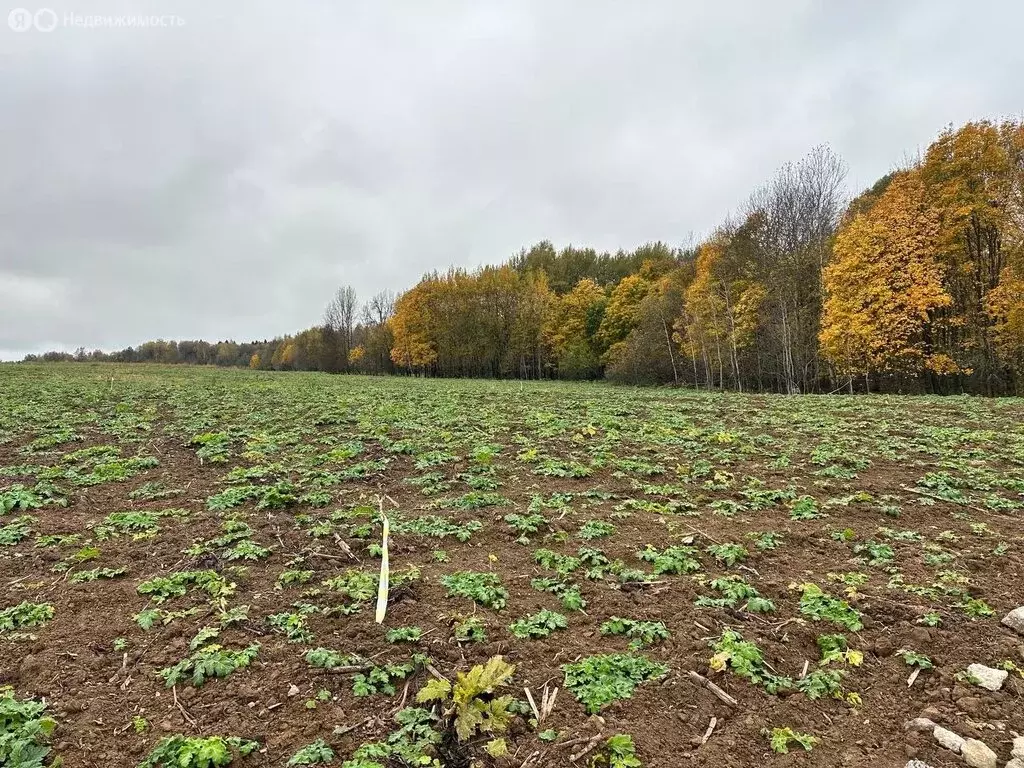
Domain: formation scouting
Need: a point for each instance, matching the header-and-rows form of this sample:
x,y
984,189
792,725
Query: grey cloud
x,y
219,179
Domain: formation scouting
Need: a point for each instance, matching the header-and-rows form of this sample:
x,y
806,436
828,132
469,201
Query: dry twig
x,y
705,683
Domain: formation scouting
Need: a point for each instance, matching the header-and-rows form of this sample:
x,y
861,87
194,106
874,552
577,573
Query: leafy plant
x,y
482,588
804,508
292,624
16,531
357,586
734,589
24,731
152,491
198,751
540,624
18,497
25,615
136,523
569,594
675,560
874,553
413,743
163,588
555,561
325,658
381,678
312,754
915,659
819,605
780,739
821,683
642,633
470,705
595,529
468,629
728,554
524,524
291,577
403,635
597,681
975,607
618,752
837,648
766,541
436,527
211,661
97,573
744,659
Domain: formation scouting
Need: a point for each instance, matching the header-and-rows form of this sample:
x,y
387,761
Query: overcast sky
x,y
220,177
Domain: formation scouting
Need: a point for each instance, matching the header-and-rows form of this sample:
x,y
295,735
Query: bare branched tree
x,y
795,215
379,308
339,327
340,314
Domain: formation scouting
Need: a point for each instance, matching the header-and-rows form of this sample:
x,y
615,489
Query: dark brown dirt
x,y
95,692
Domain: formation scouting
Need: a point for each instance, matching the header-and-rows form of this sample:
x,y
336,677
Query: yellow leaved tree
x,y
884,286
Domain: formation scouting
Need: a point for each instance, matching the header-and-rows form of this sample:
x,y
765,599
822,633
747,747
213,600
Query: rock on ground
x,y
988,678
948,739
920,724
919,764
1015,619
1018,747
1015,763
977,754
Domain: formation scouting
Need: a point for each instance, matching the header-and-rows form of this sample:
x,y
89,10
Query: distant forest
x,y
914,285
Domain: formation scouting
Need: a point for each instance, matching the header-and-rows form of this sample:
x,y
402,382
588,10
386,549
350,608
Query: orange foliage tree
x,y
884,286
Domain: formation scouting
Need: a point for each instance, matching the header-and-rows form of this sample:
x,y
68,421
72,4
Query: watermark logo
x,y
47,20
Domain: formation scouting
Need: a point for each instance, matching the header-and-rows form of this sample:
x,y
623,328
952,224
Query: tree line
x,y
915,285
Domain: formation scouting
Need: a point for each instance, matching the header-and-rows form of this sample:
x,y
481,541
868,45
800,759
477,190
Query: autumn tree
x,y
721,312
285,355
570,328
527,354
884,286
622,311
355,356
1005,307
410,327
649,354
973,179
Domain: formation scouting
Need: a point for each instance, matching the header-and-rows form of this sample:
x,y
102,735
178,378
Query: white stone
x,y
948,739
1018,747
1015,619
919,764
978,755
1015,763
988,678
919,724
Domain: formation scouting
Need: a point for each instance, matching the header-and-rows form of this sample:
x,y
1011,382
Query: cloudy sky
x,y
218,178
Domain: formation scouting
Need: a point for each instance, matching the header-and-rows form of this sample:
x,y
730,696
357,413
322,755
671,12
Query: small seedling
x,y
403,635
780,739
